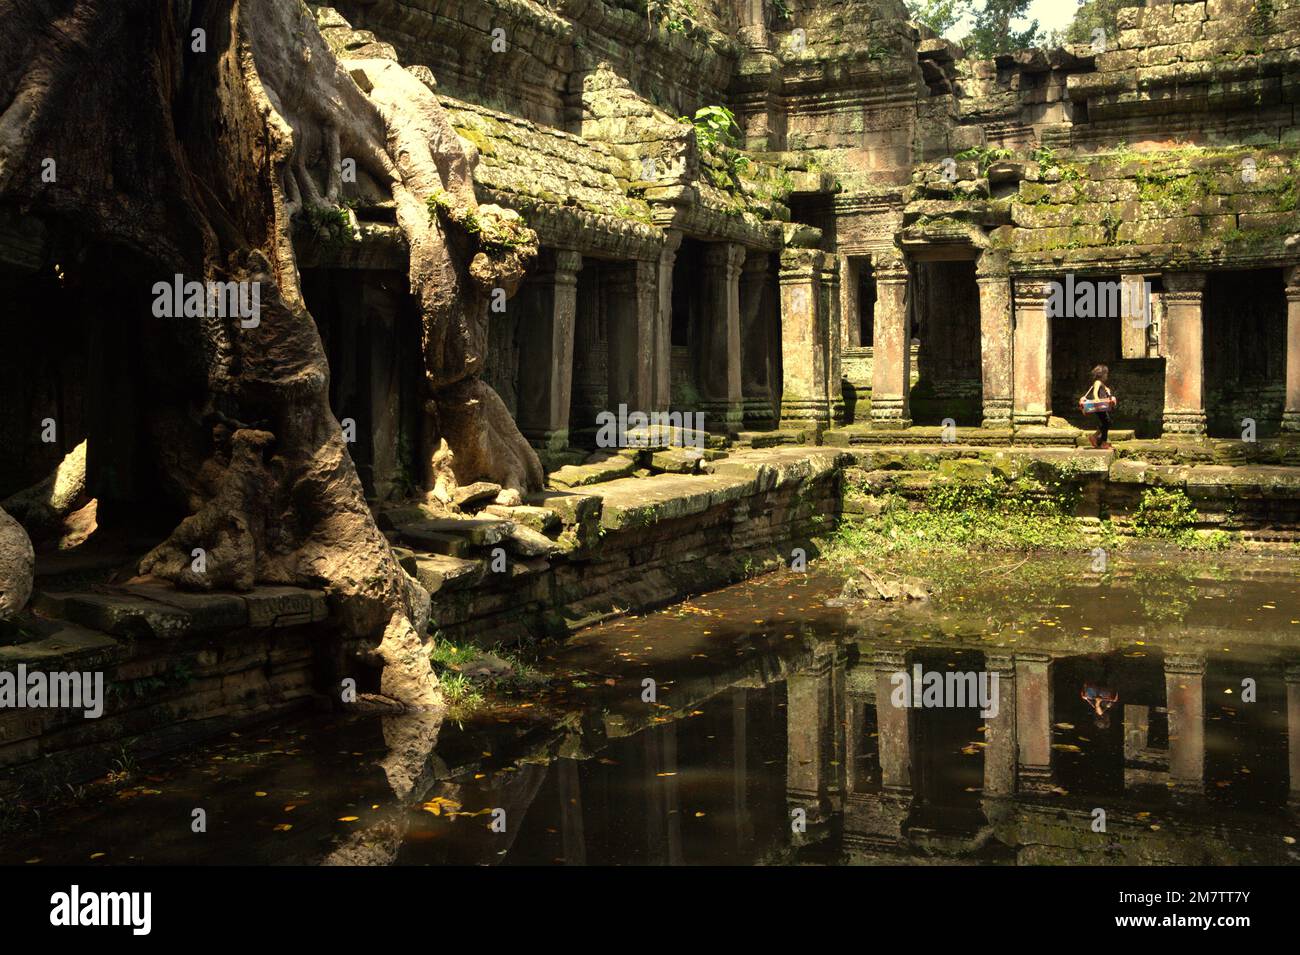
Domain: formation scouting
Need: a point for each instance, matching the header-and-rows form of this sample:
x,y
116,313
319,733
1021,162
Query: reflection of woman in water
x,y
1100,699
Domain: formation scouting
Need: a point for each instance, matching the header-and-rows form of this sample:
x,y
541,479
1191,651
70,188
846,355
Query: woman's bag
x,y
1093,405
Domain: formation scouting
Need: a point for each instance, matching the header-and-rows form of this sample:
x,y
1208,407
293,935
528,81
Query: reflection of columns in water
x,y
893,723
1293,730
1000,730
1185,697
575,842
1034,720
809,701
663,815
740,766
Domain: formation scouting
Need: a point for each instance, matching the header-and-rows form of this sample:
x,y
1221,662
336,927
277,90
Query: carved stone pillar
x,y
804,343
996,332
1291,411
632,303
718,343
1184,338
1031,355
663,381
892,350
757,294
831,295
546,341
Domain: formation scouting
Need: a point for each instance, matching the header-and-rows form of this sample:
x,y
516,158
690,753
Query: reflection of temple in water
x,y
878,783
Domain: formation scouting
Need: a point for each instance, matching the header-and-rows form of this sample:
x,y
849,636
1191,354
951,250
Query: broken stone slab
x,y
631,503
438,572
441,535
529,543
676,461
540,519
472,496
582,475
123,615
572,508
207,611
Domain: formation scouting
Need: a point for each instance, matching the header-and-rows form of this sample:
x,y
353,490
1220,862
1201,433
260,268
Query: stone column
x,y
756,340
1031,352
892,349
995,341
893,724
632,303
753,25
718,357
1291,411
546,341
1184,354
850,307
1034,720
1185,698
834,345
1293,731
663,358
1000,730
804,342
1135,316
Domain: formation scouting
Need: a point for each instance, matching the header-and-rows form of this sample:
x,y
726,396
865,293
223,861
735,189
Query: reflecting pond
x,y
1150,714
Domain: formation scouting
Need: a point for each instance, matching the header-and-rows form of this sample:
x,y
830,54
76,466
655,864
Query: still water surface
x,y
773,738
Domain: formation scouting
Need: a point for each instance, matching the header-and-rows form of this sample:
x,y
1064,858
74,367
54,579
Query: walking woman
x,y
1099,400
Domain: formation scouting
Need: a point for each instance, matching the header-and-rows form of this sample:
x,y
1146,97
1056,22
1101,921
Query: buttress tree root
x,y
186,135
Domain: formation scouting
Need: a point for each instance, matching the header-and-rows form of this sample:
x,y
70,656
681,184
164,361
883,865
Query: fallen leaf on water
x,y
348,818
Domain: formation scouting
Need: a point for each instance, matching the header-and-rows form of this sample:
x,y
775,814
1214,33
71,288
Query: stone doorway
x,y
1245,352
946,321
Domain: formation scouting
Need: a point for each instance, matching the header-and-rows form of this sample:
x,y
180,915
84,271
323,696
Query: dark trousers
x,y
1103,426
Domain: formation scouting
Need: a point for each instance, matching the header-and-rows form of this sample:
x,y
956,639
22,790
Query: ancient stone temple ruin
x,y
878,250
481,229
